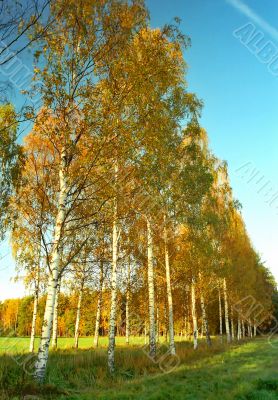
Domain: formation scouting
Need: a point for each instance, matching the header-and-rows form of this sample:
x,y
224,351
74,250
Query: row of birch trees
x,y
119,194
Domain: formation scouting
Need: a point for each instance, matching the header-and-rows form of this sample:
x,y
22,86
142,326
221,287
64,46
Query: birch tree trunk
x,y
78,312
227,325
220,314
194,315
99,307
243,329
250,329
127,326
238,329
55,318
40,366
113,307
255,329
169,293
232,325
35,308
152,334
205,320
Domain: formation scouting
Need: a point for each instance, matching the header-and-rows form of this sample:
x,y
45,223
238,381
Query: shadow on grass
x,y
203,374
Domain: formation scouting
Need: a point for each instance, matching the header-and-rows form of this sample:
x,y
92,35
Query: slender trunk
x,y
55,318
227,325
127,325
243,329
112,321
250,329
255,329
40,366
220,314
152,334
238,329
169,293
232,325
41,363
145,332
194,315
113,307
78,312
99,306
205,320
35,307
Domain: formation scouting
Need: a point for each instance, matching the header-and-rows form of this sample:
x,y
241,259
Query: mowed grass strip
x,y
247,371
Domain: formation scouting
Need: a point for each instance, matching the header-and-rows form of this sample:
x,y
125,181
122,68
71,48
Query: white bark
x,y
255,329
55,317
194,315
238,329
205,320
250,332
226,307
40,366
78,312
152,334
99,307
113,306
232,325
127,326
172,347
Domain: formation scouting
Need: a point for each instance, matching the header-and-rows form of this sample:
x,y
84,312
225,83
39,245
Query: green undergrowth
x,y
246,371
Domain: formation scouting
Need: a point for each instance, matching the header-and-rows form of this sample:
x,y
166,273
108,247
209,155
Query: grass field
x,y
246,371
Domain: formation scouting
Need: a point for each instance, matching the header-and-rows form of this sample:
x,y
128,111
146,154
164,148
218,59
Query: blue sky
x,y
241,101
240,113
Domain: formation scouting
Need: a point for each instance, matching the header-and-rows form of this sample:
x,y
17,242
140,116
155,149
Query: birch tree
x,y
152,325
79,44
194,314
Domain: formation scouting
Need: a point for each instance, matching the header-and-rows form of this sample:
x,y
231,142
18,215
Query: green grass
x,y
243,372
14,345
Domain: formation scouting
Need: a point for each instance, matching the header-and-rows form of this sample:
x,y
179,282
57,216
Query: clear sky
x,y
232,69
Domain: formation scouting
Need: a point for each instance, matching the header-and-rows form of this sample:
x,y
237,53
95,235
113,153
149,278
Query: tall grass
x,y
73,371
245,371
